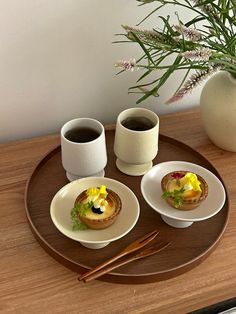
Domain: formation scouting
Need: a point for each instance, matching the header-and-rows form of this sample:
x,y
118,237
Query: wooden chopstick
x,y
134,246
151,250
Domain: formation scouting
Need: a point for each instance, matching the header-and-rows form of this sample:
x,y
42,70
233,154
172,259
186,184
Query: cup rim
x,y
101,132
156,123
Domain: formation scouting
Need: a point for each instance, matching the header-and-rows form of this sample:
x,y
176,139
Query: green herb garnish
x,y
176,195
79,208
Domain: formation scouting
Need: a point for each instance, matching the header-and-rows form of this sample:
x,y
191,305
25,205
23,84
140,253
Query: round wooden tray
x,y
188,246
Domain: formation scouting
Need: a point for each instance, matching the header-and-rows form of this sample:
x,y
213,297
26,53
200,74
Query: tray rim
x,y
116,277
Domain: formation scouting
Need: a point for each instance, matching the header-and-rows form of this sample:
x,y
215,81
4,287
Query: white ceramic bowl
x,y
152,193
63,202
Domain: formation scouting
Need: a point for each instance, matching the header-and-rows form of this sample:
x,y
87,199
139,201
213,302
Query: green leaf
x,y
79,208
176,195
147,94
215,20
195,20
169,71
167,25
151,13
143,47
144,75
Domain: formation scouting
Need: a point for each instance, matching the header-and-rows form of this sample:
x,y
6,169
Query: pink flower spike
x,y
127,64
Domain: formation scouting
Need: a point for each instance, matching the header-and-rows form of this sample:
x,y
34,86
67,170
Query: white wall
x,y
56,63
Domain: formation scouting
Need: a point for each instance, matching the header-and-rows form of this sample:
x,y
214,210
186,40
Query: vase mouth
x,y
231,78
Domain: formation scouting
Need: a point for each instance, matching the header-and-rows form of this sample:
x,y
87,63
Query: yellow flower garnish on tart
x,y
190,182
97,195
94,192
103,191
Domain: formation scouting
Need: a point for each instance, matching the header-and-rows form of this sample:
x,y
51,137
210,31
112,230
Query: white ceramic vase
x,y
218,110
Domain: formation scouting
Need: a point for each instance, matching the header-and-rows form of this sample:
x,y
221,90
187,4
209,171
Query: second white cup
x,y
136,140
83,148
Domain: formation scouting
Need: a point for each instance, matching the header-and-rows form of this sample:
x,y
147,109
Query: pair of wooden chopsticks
x,y
134,246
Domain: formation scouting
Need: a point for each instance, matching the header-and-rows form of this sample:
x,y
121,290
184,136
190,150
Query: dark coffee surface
x,y
81,135
138,123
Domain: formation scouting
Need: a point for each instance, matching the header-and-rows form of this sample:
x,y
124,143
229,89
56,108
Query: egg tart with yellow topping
x,y
97,207
184,190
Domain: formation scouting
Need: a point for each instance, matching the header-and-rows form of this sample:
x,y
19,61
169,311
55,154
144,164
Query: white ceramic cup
x,y
135,149
84,158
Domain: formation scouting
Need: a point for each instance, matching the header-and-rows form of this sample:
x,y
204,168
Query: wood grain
x,y
33,282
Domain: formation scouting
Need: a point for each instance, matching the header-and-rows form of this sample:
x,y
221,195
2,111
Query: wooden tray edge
x,y
123,278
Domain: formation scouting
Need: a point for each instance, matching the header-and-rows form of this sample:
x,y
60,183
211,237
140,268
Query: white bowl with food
x,y
64,201
210,205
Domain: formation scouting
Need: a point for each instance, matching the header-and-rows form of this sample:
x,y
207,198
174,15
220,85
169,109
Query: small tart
x,y
191,198
107,218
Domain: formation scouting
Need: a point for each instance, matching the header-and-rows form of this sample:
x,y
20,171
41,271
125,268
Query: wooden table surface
x,y
33,282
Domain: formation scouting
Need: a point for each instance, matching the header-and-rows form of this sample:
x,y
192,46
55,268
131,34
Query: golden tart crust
x,y
190,200
114,208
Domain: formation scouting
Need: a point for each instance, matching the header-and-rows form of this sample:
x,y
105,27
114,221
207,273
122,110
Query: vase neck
x,y
231,78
